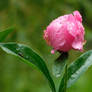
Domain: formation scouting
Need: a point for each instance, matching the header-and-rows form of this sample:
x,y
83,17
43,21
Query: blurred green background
x,y
30,18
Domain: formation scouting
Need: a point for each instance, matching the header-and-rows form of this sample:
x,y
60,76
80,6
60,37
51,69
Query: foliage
x,y
29,17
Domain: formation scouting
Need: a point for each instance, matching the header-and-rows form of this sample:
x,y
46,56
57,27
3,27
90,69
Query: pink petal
x,y
77,15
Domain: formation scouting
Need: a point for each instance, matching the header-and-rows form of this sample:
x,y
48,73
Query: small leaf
x,y
5,33
30,57
76,69
59,64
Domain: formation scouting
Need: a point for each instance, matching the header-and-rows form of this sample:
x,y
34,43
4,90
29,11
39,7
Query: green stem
x,y
65,81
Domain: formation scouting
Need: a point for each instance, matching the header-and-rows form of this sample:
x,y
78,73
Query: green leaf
x,y
30,57
59,64
5,33
76,69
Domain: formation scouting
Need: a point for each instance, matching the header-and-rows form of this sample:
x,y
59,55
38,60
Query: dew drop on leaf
x,y
20,54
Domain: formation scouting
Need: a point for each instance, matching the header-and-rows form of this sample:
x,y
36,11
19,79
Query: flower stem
x,y
65,81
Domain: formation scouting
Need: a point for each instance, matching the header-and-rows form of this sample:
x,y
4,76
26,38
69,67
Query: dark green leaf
x,y
30,57
59,64
76,69
5,33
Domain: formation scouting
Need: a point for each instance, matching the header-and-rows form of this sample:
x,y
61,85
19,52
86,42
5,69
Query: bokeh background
x,y
30,18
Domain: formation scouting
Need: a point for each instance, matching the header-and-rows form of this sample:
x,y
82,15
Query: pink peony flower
x,y
65,33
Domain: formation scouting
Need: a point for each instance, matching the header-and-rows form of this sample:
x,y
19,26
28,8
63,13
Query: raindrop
x,y
27,57
57,75
17,49
56,71
20,54
22,48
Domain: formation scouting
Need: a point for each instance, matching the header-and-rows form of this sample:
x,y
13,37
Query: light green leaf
x,y
76,69
59,64
5,33
30,57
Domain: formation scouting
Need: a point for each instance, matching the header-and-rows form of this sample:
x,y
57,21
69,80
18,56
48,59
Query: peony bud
x,y
65,33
